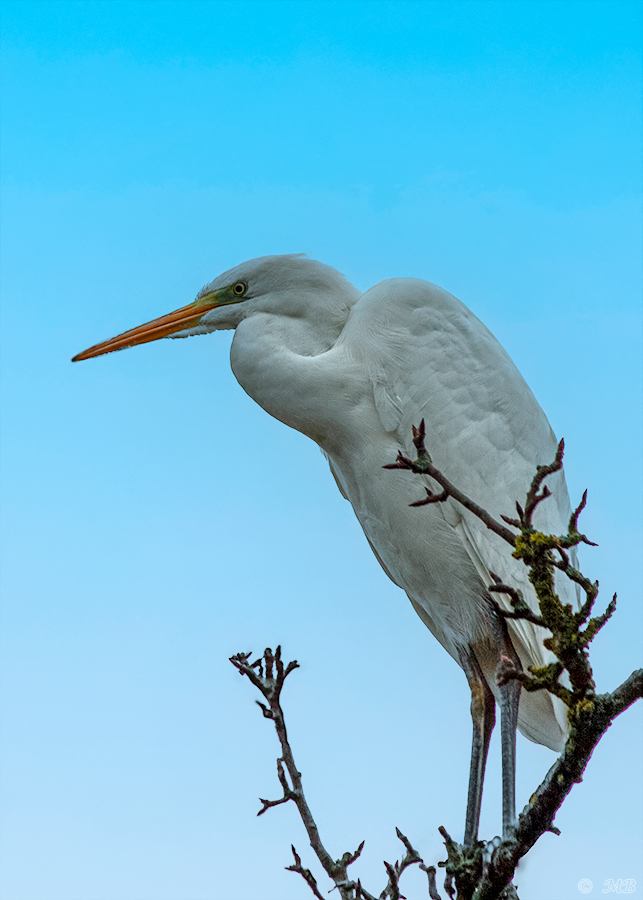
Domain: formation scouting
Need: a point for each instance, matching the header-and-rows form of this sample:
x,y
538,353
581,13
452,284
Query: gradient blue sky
x,y
157,521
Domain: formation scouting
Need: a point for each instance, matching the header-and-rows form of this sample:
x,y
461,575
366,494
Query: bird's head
x,y
281,285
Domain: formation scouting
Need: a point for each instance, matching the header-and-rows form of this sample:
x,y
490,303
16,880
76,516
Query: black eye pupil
x,y
239,288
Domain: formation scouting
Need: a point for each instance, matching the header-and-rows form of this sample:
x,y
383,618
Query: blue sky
x,y
492,148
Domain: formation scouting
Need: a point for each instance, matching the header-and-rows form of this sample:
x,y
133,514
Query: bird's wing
x,y
430,358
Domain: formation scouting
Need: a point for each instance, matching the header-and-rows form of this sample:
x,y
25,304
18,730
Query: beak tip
x,y
165,326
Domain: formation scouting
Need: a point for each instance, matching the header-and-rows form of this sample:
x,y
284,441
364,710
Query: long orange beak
x,y
186,317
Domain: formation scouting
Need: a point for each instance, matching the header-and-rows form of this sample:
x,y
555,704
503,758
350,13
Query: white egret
x,y
353,372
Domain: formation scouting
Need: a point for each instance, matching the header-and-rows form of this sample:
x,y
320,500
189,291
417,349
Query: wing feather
x,y
430,357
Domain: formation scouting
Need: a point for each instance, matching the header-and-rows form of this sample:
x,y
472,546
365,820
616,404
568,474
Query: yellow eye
x,y
239,288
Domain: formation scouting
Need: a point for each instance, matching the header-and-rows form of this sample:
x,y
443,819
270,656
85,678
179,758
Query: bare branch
x,y
434,894
533,497
520,609
268,675
361,893
595,625
394,872
306,874
573,522
542,554
627,693
432,498
424,466
288,793
484,871
270,686
587,726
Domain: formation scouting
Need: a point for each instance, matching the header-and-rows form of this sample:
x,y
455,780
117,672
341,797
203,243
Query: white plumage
x,y
354,372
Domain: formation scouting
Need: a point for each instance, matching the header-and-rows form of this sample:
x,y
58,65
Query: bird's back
x,y
423,354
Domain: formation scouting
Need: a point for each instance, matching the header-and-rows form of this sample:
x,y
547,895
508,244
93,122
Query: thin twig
x,y
306,874
395,871
270,685
268,675
434,894
423,466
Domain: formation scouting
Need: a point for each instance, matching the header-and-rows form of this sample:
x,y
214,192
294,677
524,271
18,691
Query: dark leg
x,y
509,699
483,713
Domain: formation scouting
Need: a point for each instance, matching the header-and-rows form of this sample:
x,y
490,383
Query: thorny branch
x,y
483,872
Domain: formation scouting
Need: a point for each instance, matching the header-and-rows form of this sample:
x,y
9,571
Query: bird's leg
x,y
509,700
483,714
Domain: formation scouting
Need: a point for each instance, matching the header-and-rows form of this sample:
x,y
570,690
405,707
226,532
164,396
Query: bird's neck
x,y
284,363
